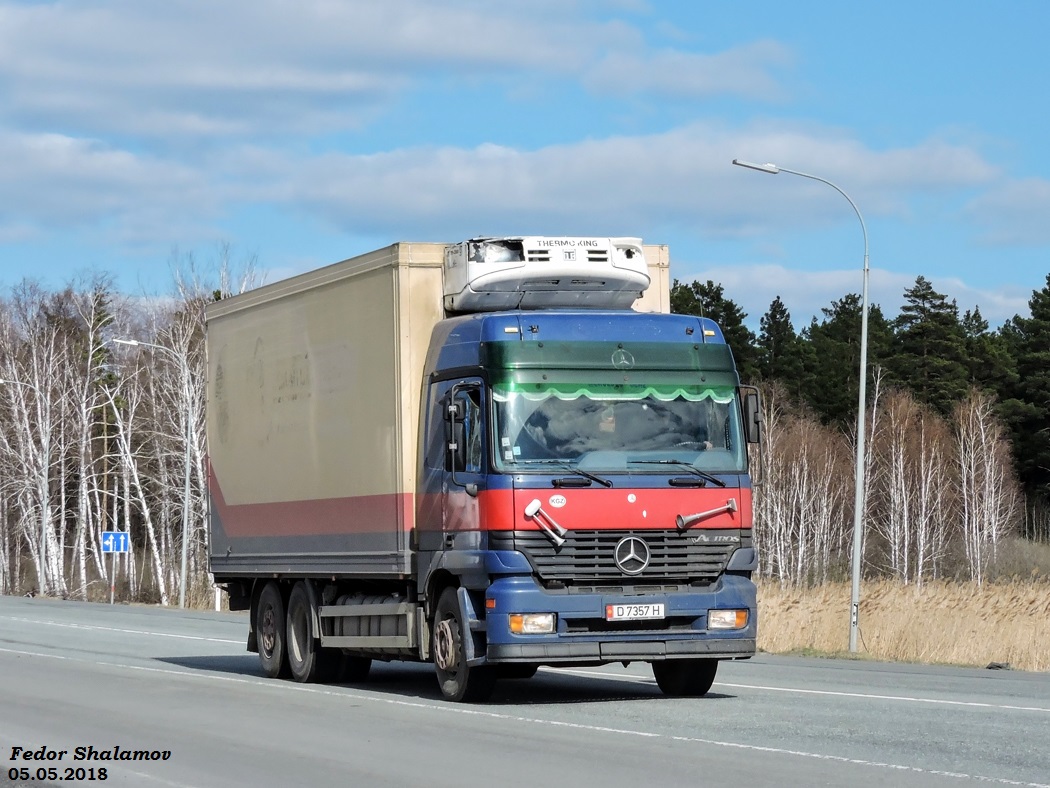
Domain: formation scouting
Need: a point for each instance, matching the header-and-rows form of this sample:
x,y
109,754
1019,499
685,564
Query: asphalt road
x,y
84,675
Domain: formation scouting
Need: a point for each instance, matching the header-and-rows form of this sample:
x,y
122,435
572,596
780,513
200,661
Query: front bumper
x,y
616,651
583,635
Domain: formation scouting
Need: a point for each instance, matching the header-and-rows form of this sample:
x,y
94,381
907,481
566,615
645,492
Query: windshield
x,y
613,427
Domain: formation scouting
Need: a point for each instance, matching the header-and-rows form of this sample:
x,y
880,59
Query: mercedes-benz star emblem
x,y
621,359
631,555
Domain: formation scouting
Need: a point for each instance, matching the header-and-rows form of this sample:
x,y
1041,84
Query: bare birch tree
x,y
31,368
988,497
800,509
912,514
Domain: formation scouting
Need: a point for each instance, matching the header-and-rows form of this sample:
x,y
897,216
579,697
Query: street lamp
x,y
44,505
189,433
858,502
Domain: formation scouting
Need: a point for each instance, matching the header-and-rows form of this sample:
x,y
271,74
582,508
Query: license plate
x,y
634,612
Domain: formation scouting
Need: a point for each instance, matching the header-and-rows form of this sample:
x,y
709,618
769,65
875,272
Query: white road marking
x,y
601,674
452,709
833,693
123,631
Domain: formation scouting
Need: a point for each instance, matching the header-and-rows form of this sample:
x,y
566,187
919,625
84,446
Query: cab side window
x,y
472,429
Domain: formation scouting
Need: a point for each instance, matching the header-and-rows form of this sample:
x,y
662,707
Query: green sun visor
x,y
539,391
666,367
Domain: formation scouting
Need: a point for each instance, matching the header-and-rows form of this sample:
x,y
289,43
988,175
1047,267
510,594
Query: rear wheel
x,y
269,622
458,681
685,677
307,661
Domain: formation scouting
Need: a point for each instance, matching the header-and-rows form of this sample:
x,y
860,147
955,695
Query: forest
x,y
102,429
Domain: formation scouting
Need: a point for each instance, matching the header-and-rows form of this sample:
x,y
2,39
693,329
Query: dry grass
x,y
948,623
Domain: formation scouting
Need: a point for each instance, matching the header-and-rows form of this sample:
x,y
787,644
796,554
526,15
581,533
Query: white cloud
x,y
650,185
682,178
1016,213
270,67
54,182
234,64
744,71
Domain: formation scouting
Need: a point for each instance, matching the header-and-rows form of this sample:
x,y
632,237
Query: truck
x,y
493,455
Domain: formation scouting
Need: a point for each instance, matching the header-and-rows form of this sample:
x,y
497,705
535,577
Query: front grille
x,y
587,556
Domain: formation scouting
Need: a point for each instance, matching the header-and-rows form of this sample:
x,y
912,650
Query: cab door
x,y
465,458
454,459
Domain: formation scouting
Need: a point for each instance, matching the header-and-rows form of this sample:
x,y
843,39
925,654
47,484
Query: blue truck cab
x,y
584,496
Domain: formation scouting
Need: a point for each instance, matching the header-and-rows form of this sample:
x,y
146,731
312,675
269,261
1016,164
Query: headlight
x,y
726,619
533,623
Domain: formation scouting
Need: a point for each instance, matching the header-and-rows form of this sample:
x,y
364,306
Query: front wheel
x,y
458,681
685,677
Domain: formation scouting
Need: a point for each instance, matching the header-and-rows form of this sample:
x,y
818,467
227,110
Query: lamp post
x,y
858,501
44,503
189,433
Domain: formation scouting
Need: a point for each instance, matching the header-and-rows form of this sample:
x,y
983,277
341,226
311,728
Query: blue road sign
x,y
115,542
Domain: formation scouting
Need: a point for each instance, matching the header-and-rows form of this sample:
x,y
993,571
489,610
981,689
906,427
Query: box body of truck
x,y
390,479
313,403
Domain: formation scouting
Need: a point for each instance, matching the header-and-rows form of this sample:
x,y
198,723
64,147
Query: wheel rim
x,y
268,631
446,645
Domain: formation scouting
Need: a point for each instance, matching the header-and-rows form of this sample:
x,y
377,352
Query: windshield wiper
x,y
562,465
585,475
682,464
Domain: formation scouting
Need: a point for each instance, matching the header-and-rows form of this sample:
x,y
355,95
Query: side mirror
x,y
753,418
455,412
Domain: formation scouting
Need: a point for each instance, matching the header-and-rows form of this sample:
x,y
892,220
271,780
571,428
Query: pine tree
x,y
929,348
1027,411
987,356
779,348
831,357
708,300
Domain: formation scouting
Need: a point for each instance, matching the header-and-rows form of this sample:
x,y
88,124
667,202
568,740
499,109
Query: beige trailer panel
x,y
295,395
313,401
657,298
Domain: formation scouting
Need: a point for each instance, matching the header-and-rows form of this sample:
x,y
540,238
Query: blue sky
x,y
136,135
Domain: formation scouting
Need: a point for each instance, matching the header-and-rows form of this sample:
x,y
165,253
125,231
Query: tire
x,y
458,681
517,671
685,678
307,661
270,632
